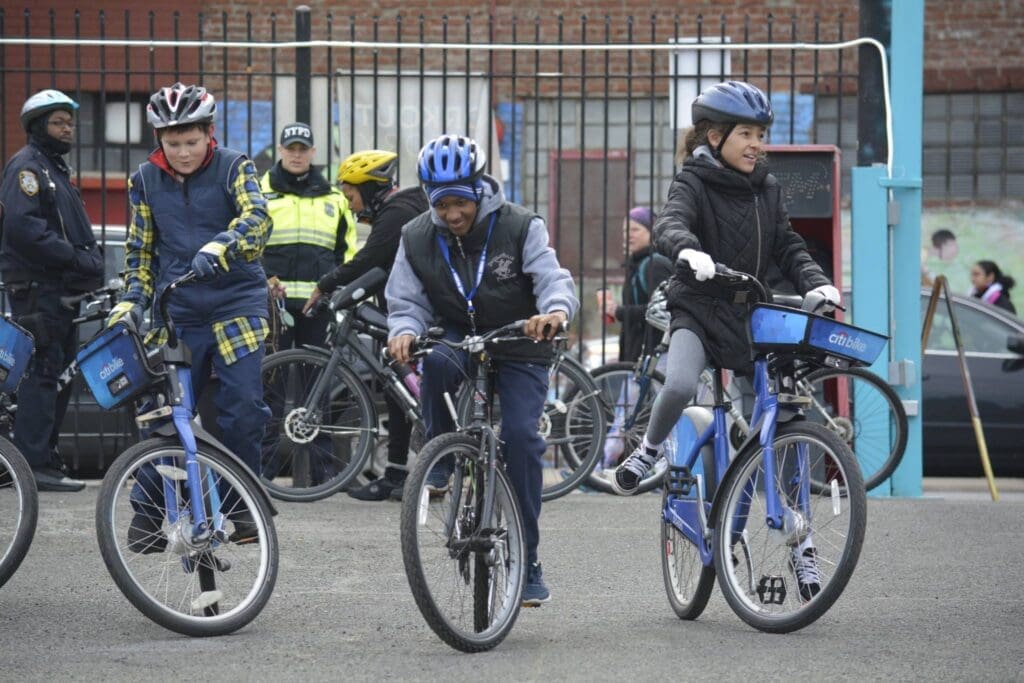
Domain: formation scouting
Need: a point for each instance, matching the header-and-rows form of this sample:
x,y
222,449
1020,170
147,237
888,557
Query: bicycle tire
x,y
420,509
688,582
608,378
18,486
288,376
878,449
573,426
239,601
761,595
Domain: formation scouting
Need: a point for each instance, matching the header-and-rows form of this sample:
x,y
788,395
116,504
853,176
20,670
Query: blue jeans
x,y
241,413
521,387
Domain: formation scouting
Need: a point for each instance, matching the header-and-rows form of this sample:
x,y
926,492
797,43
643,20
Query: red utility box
x,y
809,176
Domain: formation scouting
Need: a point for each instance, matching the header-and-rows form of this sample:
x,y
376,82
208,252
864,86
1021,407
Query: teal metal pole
x,y
870,268
907,68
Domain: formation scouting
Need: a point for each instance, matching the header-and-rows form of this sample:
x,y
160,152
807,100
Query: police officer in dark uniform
x,y
47,251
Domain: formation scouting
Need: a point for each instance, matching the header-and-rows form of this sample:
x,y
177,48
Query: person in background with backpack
x,y
645,270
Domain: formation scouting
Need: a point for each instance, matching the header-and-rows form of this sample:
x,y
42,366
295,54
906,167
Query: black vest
x,y
506,292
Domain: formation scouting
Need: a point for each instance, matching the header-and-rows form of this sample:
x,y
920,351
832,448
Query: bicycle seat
x,y
360,289
374,319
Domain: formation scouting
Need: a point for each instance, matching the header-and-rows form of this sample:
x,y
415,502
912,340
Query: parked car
x,y
994,346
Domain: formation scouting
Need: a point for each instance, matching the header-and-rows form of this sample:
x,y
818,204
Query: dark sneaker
x,y
803,560
378,489
633,469
396,493
535,593
146,535
50,479
246,531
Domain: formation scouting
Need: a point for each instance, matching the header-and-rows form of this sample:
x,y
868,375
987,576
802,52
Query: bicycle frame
x,y
345,336
691,515
480,422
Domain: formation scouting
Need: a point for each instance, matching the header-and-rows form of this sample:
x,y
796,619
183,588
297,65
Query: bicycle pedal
x,y
156,414
679,480
771,590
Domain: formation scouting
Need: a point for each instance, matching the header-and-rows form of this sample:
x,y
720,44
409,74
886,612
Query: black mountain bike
x,y
325,406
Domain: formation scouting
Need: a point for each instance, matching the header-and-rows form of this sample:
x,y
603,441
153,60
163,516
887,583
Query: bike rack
x,y
941,286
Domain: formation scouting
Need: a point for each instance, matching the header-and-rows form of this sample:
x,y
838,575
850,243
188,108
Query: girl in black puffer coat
x,y
723,207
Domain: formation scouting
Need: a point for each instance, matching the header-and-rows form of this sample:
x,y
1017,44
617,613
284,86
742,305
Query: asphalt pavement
x,y
934,598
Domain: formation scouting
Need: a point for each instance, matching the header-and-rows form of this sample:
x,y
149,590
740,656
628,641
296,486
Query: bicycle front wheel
x,y
865,412
782,579
312,452
19,509
198,585
466,570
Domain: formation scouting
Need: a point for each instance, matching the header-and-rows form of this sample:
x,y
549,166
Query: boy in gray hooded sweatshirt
x,y
471,264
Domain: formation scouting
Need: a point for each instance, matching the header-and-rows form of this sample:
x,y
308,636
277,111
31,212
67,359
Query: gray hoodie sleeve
x,y
552,284
409,309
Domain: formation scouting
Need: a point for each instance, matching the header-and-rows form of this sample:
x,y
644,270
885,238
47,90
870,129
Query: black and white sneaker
x,y
803,560
633,469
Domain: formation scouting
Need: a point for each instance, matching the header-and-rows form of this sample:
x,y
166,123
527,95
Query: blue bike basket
x,y
16,349
114,366
776,328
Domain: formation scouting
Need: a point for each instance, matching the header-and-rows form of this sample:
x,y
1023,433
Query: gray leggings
x,y
686,360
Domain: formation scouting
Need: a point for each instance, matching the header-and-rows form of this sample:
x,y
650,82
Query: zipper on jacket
x,y
757,218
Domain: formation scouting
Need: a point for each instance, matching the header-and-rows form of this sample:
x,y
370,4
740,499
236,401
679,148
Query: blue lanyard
x,y
479,270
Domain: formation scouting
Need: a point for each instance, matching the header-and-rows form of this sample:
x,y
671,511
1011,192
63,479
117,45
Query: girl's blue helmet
x,y
733,102
450,160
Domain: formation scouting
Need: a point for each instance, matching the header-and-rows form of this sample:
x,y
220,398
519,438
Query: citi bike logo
x,y
111,367
6,357
845,341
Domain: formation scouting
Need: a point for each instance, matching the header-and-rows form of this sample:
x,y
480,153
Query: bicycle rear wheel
x,y
196,587
781,580
627,407
864,411
572,424
688,581
308,455
19,509
466,573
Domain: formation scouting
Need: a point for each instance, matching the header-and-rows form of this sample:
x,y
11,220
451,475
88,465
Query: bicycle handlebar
x,y
511,332
112,287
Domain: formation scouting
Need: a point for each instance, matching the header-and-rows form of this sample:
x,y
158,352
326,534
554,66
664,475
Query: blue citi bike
x,y
781,524
19,500
206,562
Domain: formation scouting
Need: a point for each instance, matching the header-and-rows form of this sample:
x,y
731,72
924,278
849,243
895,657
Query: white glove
x,y
701,263
827,292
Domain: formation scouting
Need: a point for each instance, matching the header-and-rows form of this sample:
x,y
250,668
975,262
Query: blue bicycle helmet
x,y
733,102
43,102
450,160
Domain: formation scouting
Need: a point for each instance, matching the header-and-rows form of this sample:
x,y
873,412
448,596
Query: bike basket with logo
x,y
114,366
16,349
774,328
845,341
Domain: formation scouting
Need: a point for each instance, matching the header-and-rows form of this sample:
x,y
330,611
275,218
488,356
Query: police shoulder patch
x,y
329,209
29,183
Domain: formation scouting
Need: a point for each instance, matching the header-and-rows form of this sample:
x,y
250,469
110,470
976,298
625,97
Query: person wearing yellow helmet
x,y
367,179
